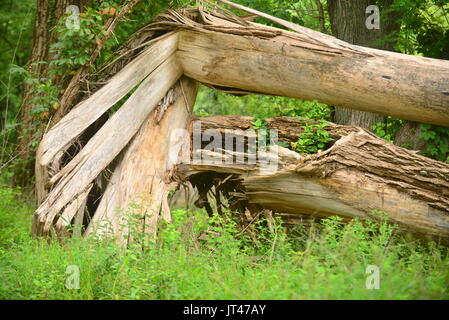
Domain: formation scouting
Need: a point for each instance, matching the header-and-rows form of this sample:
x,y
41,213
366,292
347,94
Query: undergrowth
x,y
198,257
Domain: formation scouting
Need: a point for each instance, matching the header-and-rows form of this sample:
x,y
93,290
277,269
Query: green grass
x,y
325,261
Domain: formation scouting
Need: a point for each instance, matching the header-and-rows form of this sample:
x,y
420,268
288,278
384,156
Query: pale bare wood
x,y
83,115
99,152
412,88
142,181
62,135
234,55
74,208
89,110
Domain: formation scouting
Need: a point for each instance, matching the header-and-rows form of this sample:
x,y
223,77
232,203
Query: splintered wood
x,y
114,150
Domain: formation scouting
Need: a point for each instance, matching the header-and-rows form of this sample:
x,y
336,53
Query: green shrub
x,y
312,139
327,260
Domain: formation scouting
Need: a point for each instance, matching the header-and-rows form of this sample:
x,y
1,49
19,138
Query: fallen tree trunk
x,y
305,64
406,87
359,176
234,55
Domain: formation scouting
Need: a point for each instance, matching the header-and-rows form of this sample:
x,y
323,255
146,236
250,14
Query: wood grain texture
x,y
142,181
84,115
107,143
358,176
412,88
60,137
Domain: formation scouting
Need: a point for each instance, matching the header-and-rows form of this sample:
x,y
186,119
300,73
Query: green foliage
x,y
44,91
424,31
324,261
73,47
312,139
210,102
16,21
14,217
388,130
381,130
259,124
424,27
327,260
71,50
437,139
297,11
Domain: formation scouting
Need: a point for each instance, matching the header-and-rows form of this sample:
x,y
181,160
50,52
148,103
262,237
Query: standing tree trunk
x,y
348,20
48,13
39,52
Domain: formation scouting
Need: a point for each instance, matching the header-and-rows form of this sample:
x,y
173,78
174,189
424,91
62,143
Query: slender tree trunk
x,y
48,13
348,20
39,52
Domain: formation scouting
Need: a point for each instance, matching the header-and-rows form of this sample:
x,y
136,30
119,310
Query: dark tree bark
x,y
348,20
409,136
48,13
39,52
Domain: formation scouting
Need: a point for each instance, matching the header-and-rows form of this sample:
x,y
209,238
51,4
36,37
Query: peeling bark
x,y
359,175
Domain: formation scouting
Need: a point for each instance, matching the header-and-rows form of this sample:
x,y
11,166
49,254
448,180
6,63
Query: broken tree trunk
x,y
231,54
76,177
138,191
312,66
359,176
